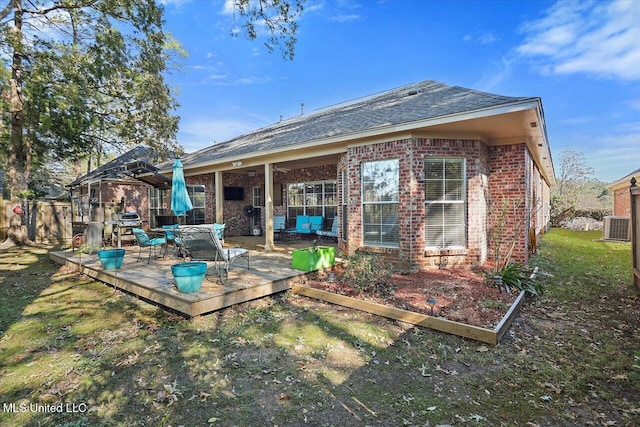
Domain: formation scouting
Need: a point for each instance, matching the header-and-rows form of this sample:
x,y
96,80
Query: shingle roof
x,y
411,103
625,180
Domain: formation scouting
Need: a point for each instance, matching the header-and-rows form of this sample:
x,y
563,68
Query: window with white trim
x,y
197,196
312,198
380,189
159,199
445,195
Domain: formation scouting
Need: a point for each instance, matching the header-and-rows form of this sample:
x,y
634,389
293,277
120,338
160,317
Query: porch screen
x,y
445,224
380,184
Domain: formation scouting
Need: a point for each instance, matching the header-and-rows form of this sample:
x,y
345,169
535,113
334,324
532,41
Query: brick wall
x,y
411,154
509,185
622,202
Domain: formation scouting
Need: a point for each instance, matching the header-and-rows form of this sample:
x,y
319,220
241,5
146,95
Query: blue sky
x,y
581,57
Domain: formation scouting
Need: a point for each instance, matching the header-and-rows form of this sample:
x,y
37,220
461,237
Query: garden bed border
x,y
488,336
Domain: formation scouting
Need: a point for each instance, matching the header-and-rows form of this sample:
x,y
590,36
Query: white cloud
x,y
495,74
593,37
346,17
200,132
484,38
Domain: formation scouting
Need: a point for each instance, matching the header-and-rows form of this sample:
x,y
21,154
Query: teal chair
x,y
145,241
317,223
173,239
219,228
333,232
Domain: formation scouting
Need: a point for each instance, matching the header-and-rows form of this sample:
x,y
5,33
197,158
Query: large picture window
x,y
380,188
312,198
445,196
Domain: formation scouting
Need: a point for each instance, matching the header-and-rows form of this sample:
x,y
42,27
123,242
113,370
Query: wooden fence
x,y
47,222
635,231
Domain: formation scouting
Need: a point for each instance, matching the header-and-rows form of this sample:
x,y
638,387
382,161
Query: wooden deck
x,y
270,273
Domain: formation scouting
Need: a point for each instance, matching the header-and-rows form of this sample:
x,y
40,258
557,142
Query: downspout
x,y
411,181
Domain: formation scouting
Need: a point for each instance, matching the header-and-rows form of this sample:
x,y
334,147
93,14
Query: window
x,y
380,184
312,198
158,202
197,196
257,196
445,203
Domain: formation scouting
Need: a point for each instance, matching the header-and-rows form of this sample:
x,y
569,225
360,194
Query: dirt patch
x,y
455,294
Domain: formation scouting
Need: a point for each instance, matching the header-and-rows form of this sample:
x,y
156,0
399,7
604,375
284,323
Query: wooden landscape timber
x,y
488,336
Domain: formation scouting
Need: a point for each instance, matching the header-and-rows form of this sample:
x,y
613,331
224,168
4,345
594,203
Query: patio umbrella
x,y
180,201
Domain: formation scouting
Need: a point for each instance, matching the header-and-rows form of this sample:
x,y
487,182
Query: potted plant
x,y
111,259
314,258
188,276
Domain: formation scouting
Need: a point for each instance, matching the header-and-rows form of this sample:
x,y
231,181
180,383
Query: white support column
x,y
268,207
219,197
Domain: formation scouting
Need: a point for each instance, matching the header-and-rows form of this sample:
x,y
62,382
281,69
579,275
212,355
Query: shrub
x,y
518,276
366,274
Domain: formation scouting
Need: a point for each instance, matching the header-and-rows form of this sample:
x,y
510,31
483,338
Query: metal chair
x,y
333,232
146,241
203,244
172,238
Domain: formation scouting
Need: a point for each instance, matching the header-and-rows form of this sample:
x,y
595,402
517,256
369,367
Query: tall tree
x,y
85,76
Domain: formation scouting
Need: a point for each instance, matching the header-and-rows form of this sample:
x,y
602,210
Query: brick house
x,y
426,175
621,194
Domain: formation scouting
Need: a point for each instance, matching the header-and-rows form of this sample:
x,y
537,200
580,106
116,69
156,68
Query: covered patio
x,y
270,273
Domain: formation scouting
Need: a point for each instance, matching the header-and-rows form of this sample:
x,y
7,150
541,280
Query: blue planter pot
x,y
189,275
111,259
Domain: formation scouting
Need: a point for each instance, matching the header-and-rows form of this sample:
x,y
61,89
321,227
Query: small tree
x,y
574,173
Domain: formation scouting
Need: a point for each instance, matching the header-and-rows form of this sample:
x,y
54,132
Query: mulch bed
x,y
462,295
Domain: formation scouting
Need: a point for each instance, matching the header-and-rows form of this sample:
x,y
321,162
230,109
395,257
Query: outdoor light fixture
x,y
251,173
431,302
237,163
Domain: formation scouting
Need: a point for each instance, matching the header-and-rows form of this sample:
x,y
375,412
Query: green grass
x,y
570,358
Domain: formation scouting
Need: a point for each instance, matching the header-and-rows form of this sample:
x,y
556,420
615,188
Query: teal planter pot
x,y
311,259
189,275
111,259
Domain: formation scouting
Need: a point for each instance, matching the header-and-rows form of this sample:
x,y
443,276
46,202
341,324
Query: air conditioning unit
x,y
617,228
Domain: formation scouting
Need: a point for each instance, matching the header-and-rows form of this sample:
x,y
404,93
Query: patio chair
x,y
333,232
303,226
149,240
317,223
202,244
279,226
170,231
219,228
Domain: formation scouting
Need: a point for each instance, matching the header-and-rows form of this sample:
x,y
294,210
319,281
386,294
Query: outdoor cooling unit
x,y
617,228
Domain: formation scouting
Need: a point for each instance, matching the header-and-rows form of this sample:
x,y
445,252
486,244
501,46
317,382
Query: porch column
x,y
219,188
268,207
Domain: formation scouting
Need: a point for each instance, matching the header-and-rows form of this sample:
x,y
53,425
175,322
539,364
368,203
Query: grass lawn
x,y
74,352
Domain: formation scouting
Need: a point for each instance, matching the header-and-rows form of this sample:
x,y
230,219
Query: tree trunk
x,y
18,152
